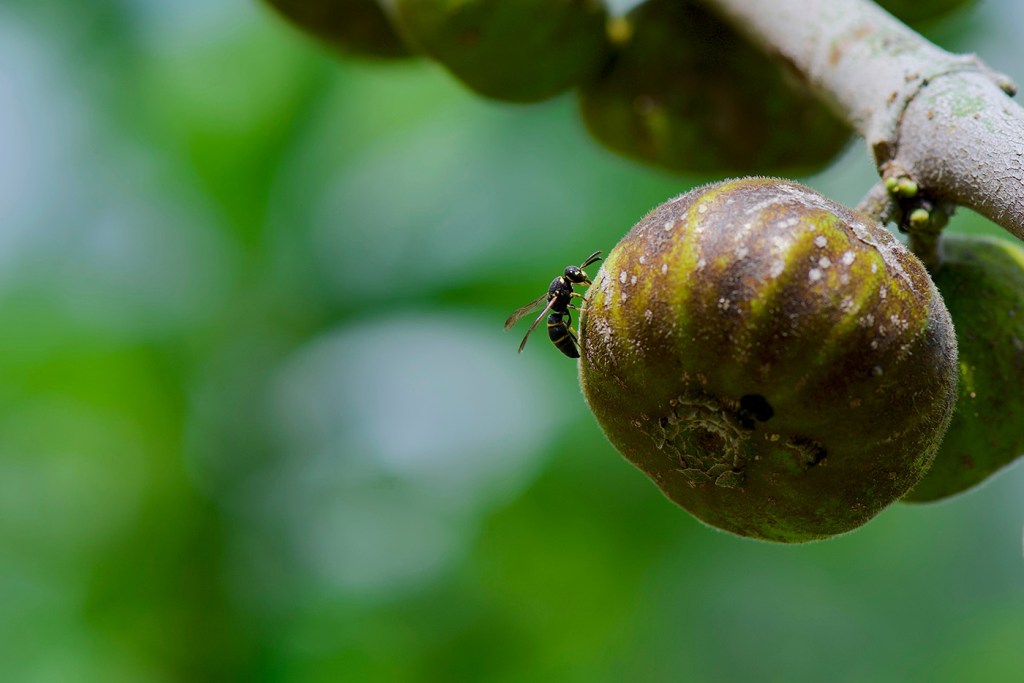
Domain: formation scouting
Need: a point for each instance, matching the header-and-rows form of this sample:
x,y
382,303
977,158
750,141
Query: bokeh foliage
x,y
260,422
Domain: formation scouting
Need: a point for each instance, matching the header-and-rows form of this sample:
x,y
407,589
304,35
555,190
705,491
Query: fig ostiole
x,y
982,282
778,364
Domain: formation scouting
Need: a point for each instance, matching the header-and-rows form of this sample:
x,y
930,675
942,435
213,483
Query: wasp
x,y
559,300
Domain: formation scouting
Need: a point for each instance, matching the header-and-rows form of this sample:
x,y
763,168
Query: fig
x,y
354,26
778,364
521,51
922,11
982,282
686,93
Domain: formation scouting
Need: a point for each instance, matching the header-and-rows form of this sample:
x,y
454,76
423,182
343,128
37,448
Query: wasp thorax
x,y
780,365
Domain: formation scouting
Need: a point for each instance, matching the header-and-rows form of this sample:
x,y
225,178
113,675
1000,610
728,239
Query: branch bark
x,y
944,120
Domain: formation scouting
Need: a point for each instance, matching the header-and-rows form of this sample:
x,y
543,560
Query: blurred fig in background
x,y
779,365
514,50
982,282
688,94
358,27
922,11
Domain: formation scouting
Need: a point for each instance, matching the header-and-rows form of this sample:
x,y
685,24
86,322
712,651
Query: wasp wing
x,y
534,325
521,313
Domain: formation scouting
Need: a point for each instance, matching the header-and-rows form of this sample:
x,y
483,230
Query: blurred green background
x,y
260,420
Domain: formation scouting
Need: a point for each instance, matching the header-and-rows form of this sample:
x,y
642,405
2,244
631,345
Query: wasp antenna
x,y
593,258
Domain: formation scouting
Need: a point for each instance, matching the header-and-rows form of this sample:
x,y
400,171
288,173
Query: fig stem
x,y
947,119
878,203
925,235
926,246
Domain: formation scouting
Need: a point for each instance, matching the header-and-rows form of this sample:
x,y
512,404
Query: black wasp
x,y
559,301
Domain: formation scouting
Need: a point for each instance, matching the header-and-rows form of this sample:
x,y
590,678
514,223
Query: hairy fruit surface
x,y
778,364
982,282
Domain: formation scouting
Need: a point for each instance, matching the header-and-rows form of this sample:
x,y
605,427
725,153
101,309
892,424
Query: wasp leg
x,y
578,308
574,337
572,332
574,307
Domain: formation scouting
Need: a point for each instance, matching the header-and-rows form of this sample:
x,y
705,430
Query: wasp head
x,y
575,275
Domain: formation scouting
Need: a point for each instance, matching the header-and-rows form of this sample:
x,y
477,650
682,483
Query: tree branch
x,y
944,120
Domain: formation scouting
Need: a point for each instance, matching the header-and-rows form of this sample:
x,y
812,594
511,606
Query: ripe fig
x,y
353,26
778,364
982,282
687,93
521,51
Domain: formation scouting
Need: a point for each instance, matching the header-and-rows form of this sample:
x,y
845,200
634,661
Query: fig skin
x,y
687,93
982,282
512,50
358,27
778,364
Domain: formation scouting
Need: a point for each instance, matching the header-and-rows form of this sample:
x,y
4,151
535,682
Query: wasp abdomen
x,y
561,334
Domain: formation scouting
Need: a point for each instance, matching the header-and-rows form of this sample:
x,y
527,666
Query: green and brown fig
x,y
778,364
982,282
358,27
687,93
519,51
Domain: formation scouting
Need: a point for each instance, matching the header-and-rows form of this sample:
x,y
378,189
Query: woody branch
x,y
945,120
